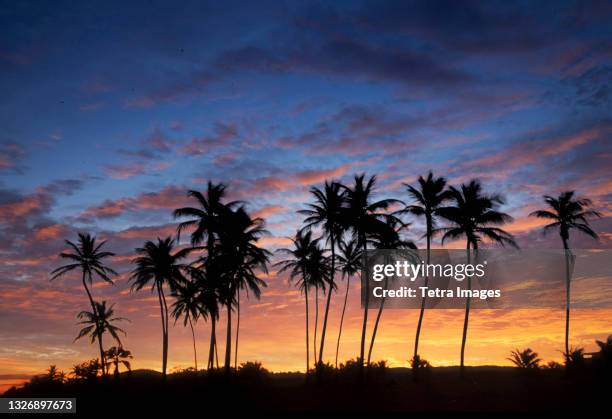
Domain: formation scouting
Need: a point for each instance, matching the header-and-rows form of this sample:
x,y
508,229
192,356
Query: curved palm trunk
x,y
348,280
164,326
467,315
228,344
237,328
329,295
314,349
307,337
95,311
366,306
423,300
567,294
195,353
380,310
213,338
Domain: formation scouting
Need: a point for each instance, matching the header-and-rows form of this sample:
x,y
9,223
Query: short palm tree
x,y
385,237
187,305
349,261
473,215
88,257
567,213
96,323
360,215
306,265
117,356
326,211
158,266
525,359
428,198
206,281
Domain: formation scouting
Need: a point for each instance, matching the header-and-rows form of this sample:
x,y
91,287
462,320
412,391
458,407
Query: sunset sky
x,y
111,111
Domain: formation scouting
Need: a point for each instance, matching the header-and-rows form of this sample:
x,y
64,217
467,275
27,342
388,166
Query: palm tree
x,y
567,213
241,256
87,256
97,322
526,359
386,236
361,215
349,261
474,216
157,266
187,305
117,356
203,277
326,211
307,266
428,199
206,217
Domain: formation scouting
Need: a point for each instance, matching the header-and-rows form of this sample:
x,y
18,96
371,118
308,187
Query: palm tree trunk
x,y
195,353
307,337
161,315
314,349
211,350
329,295
423,300
348,281
567,294
228,344
164,315
237,328
103,361
467,317
380,310
94,311
365,308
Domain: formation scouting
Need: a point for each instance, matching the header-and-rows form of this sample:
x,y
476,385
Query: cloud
x,y
11,156
222,135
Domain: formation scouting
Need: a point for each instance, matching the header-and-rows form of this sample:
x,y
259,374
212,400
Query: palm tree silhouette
x,y
97,322
474,216
428,198
187,305
308,267
117,356
362,216
203,277
241,256
386,236
87,256
567,213
326,211
157,266
349,261
526,359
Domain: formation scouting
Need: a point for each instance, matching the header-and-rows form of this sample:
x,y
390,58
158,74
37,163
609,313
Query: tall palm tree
x,y
97,322
361,216
241,255
428,198
385,237
473,215
567,213
306,265
326,212
87,256
349,261
187,305
158,266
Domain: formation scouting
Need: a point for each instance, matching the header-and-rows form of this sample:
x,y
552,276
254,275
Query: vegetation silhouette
x,y
88,256
567,213
473,214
